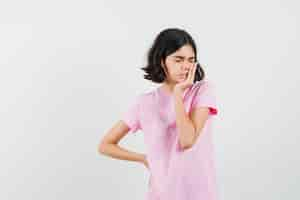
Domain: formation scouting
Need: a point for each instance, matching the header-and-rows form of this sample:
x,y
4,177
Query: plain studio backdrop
x,y
69,69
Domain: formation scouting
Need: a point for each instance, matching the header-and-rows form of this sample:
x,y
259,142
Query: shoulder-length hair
x,y
167,42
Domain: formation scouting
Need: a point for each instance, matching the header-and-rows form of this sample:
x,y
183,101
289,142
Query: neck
x,y
168,86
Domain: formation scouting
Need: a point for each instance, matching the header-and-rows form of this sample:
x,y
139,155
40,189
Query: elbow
x,y
187,142
186,146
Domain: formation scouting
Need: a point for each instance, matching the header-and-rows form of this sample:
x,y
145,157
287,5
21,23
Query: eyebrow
x,y
183,57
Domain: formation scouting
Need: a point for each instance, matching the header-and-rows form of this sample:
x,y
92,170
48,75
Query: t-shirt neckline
x,y
169,94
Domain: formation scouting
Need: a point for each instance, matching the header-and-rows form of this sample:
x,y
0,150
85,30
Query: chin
x,y
180,80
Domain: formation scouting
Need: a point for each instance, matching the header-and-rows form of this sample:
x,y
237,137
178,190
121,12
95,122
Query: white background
x,y
68,69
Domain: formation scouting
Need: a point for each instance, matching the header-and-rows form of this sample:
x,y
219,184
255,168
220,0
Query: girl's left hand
x,y
145,161
180,87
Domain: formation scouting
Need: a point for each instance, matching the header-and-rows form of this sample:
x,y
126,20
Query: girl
x,y
176,119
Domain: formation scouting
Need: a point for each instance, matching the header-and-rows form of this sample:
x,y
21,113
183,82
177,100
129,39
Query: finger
x,y
194,71
189,74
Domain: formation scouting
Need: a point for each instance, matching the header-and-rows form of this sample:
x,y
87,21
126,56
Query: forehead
x,y
185,51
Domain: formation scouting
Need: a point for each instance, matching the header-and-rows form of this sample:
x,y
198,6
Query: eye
x,y
177,60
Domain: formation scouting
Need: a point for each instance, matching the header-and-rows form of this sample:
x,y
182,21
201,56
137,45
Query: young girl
x,y
176,119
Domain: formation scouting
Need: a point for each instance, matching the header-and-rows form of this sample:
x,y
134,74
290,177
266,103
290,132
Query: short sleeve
x,y
131,115
205,97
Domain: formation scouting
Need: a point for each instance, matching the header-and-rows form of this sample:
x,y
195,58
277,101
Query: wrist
x,y
177,96
177,92
142,158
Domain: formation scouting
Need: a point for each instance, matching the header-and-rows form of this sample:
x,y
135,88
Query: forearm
x,y
184,124
118,152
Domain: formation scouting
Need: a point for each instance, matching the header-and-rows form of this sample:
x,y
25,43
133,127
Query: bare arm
x,y
189,127
184,124
109,144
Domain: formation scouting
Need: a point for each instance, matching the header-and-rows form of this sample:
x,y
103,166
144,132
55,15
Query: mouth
x,y
182,75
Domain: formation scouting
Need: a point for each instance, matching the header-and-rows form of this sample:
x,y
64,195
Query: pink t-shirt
x,y
175,174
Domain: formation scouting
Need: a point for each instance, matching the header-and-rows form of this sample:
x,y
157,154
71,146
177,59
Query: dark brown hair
x,y
167,42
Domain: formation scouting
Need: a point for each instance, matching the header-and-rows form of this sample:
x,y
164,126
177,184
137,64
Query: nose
x,y
186,66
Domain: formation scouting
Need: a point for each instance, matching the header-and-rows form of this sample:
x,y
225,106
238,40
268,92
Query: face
x,y
177,65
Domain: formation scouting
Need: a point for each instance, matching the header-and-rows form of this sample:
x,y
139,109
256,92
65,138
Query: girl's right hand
x,y
145,162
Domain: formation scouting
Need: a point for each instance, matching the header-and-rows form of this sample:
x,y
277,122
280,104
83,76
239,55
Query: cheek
x,y
173,67
173,72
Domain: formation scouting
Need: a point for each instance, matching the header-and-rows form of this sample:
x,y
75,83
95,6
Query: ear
x,y
163,66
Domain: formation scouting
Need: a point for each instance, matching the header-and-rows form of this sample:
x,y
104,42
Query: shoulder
x,y
144,96
204,83
148,94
